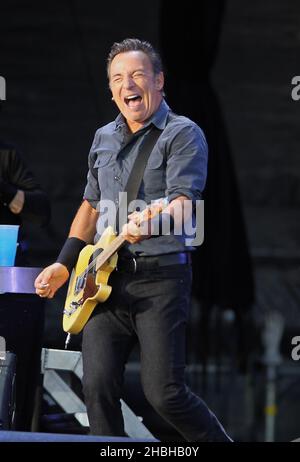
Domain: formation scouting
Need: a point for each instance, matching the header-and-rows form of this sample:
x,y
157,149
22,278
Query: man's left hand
x,y
134,233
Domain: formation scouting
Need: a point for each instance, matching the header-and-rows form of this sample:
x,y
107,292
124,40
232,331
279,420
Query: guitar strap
x,y
137,172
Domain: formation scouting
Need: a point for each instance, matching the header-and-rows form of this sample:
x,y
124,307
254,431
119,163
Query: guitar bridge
x,y
73,307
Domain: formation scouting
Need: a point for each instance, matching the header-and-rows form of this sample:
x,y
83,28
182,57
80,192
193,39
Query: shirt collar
x,y
159,118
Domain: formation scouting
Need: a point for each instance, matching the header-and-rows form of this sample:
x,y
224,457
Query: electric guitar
x,y
88,284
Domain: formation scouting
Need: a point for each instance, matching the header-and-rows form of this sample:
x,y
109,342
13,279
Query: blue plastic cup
x,y
8,244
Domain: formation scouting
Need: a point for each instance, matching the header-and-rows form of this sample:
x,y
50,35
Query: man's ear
x,y
159,81
110,90
112,98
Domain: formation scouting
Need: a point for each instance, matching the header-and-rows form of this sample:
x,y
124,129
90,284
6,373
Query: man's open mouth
x,y
133,100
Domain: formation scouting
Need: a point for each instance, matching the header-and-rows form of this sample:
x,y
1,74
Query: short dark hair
x,y
134,44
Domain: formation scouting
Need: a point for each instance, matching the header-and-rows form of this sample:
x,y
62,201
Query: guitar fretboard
x,y
107,253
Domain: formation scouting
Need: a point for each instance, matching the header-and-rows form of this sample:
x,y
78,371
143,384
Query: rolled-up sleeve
x,y
187,163
92,191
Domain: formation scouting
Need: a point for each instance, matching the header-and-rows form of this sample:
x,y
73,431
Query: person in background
x,y
22,315
21,197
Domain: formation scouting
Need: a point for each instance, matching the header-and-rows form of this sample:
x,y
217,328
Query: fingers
x,y
131,233
42,279
43,290
132,229
134,217
42,284
51,293
46,292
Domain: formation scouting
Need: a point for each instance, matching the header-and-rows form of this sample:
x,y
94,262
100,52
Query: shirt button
x,y
117,178
117,201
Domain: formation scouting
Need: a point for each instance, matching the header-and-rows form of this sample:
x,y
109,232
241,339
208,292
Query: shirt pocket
x,y
154,177
104,166
103,158
155,161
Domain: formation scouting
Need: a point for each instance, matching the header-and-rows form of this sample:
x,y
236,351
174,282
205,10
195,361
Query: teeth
x,y
132,97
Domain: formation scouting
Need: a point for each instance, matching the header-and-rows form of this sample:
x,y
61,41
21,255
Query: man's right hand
x,y
50,280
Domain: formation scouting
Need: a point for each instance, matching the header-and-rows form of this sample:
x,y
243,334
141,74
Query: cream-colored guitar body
x,y
84,294
89,287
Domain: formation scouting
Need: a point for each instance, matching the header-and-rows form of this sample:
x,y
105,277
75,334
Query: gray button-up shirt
x,y
177,166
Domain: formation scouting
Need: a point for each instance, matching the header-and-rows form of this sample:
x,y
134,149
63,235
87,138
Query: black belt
x,y
134,264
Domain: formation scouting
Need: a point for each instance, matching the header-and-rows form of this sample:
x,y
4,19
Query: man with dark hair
x,y
151,287
128,45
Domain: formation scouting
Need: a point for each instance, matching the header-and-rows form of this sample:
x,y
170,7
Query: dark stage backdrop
x,y
52,56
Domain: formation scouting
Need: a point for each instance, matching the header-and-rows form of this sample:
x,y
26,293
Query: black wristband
x,y
7,192
69,253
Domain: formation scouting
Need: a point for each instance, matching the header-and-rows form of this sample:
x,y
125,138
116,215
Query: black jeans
x,y
151,307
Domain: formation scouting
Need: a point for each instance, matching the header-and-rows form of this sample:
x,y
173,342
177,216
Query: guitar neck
x,y
107,253
147,214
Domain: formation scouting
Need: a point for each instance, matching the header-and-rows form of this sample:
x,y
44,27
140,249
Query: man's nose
x,y
128,82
